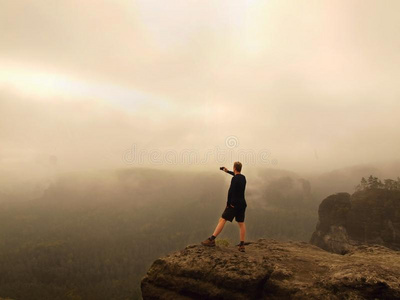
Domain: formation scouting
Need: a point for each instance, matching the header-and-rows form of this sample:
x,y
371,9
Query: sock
x,y
212,238
241,242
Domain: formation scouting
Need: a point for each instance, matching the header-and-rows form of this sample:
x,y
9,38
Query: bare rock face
x,y
366,217
374,217
271,269
331,233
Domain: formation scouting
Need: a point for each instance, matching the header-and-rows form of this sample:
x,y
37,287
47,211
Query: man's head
x,y
237,166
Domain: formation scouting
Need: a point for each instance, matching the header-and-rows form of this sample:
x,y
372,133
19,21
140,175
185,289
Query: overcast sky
x,y
315,84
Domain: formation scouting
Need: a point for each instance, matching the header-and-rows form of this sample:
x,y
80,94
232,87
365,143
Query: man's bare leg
x,y
211,240
242,230
219,227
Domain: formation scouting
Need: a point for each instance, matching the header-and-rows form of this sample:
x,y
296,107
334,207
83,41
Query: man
x,y
235,206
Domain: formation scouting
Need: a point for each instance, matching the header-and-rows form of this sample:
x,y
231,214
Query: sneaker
x,y
241,248
208,242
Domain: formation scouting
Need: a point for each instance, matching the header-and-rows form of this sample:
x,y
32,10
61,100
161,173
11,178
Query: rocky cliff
x,y
271,269
366,217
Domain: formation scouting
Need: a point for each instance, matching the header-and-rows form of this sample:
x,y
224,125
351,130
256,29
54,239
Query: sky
x,y
297,85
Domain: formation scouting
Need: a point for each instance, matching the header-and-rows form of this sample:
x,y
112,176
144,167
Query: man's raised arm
x,y
229,172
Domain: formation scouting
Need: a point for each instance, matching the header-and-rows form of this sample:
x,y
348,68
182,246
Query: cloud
x,y
85,80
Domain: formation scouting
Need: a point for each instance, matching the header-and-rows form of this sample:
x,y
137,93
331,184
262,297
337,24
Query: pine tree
x,y
364,183
390,184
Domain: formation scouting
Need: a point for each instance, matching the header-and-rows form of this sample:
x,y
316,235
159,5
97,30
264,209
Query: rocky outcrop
x,y
331,233
366,217
374,217
271,269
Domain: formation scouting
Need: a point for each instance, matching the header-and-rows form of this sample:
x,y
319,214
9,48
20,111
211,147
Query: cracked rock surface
x,y
271,269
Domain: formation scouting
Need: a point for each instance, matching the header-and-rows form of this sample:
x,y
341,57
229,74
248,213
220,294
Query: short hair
x,y
238,166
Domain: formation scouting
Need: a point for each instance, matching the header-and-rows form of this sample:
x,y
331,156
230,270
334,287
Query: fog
x,y
115,117
313,83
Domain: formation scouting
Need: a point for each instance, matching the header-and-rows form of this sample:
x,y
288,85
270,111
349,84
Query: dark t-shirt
x,y
236,191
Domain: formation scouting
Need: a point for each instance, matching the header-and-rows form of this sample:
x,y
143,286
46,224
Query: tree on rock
x,y
375,183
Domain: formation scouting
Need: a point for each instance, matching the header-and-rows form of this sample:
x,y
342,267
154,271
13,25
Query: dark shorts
x,y
233,212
